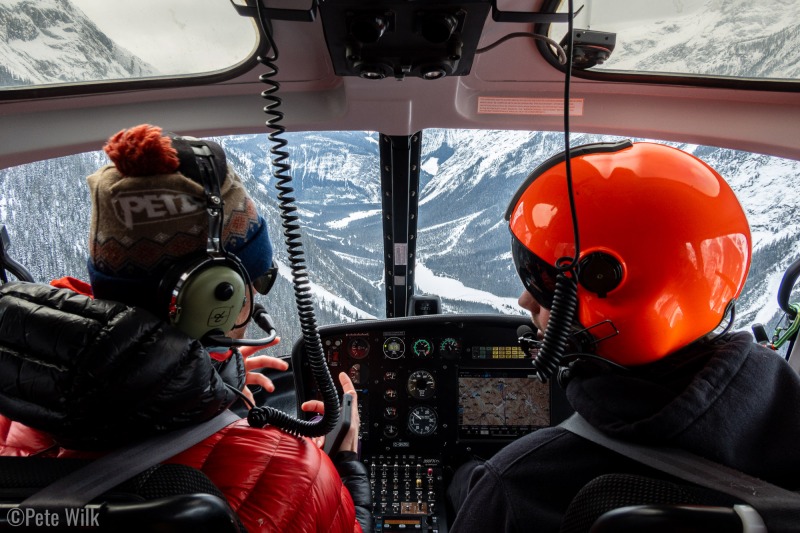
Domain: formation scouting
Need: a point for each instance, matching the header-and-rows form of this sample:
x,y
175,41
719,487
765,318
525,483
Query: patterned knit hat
x,y
148,213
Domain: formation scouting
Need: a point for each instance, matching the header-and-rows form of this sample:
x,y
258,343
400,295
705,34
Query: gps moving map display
x,y
500,405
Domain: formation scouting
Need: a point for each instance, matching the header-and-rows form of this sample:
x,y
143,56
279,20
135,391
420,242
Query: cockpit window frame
x,y
105,87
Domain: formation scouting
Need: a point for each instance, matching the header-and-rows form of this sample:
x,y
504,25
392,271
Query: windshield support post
x,y
400,161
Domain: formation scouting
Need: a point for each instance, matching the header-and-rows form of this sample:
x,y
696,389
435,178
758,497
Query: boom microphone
x,y
262,319
526,337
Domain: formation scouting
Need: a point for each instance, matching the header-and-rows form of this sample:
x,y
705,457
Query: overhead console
x,y
433,391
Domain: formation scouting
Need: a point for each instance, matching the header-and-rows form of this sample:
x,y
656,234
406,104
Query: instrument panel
x,y
433,392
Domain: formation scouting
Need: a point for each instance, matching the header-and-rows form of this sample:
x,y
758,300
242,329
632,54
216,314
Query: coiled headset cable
x,y
260,416
559,326
565,299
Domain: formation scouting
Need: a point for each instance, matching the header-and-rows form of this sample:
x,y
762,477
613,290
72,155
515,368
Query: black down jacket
x,y
95,374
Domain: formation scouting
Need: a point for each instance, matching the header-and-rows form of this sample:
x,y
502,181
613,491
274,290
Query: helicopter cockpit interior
x,y
383,141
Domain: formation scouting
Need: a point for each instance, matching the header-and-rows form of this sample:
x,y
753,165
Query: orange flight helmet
x,y
665,246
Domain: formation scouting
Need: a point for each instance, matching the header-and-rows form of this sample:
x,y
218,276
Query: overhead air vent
x,y
428,40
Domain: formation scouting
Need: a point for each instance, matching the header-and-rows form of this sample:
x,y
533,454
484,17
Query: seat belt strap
x,y
82,486
779,508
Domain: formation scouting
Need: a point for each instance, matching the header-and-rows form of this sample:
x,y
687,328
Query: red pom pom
x,y
142,151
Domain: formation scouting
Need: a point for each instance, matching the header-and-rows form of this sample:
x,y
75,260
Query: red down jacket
x,y
274,481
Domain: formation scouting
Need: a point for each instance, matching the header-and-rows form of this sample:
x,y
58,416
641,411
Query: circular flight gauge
x,y
423,348
421,384
449,346
422,420
358,348
394,348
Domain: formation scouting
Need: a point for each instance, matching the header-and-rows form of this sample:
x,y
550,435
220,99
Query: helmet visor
x,y
538,277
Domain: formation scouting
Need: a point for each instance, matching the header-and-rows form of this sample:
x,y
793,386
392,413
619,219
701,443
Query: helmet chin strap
x,y
581,343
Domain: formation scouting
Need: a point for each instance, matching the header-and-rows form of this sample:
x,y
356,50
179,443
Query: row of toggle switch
x,y
405,492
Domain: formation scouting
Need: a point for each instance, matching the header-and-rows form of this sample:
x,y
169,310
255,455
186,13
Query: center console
x,y
433,392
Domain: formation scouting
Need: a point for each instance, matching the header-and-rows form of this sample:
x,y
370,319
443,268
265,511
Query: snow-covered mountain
x,y
738,38
51,41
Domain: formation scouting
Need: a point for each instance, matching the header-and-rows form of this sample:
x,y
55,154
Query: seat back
x,y
625,502
166,497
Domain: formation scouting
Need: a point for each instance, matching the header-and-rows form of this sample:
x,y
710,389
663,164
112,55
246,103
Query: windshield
x,y
463,249
49,42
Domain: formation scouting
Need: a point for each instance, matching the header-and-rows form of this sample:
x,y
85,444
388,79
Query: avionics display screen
x,y
498,352
501,404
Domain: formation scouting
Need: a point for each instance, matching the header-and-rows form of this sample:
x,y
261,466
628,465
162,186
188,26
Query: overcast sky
x,y
214,34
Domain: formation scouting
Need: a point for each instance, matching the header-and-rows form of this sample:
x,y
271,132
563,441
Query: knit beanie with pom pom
x,y
148,213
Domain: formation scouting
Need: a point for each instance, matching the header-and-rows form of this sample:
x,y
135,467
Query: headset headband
x,y
204,162
188,157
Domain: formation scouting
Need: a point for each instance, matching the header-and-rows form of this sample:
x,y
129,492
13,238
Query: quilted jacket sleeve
x,y
275,482
95,374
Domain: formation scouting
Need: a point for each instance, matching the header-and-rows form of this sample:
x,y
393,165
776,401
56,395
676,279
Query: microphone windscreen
x,y
525,331
262,318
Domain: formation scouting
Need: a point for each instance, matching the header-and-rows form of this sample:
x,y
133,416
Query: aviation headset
x,y
205,292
